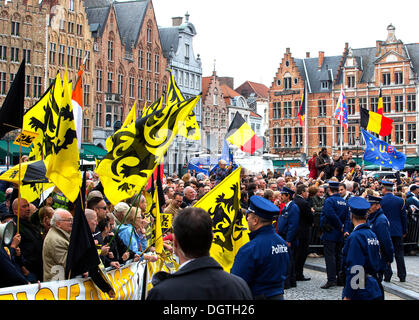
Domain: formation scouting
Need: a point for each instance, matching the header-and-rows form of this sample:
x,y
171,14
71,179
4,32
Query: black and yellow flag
x,y
64,163
137,150
191,129
156,105
230,227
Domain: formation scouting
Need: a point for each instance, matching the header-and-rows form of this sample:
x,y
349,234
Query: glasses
x,y
103,208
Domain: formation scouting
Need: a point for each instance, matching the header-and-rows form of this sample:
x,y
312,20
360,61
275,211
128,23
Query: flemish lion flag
x,y
241,135
230,227
136,150
64,168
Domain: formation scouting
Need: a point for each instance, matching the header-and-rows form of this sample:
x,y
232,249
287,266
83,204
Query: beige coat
x,y
54,253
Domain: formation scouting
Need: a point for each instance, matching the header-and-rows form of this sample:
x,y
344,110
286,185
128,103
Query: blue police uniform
x,y
287,227
334,215
395,210
263,261
381,227
361,257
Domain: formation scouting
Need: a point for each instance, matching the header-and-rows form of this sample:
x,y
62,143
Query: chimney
x,y
321,59
287,51
307,54
177,21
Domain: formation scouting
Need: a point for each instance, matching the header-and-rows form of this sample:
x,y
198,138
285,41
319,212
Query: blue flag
x,y
381,153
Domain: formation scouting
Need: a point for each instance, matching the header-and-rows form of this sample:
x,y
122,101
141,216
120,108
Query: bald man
x,y
32,240
189,195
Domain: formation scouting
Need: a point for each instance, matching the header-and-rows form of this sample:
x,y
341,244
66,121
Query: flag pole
x,y
341,120
18,187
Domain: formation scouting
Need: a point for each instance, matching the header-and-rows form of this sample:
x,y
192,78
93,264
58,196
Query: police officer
x,y
287,226
335,224
263,261
361,256
395,210
381,227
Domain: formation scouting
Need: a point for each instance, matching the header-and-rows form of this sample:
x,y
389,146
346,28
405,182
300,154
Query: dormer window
x,y
325,84
350,81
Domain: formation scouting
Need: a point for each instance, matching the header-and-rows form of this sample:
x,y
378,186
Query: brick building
x,y
128,61
390,65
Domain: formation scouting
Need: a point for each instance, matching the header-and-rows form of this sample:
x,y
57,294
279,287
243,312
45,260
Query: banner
x,y
128,283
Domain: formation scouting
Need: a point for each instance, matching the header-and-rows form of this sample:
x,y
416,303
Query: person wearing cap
x,y
381,227
335,224
361,256
287,228
394,209
412,201
263,261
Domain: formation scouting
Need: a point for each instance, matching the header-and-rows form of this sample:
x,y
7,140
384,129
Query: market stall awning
x,y
90,152
13,149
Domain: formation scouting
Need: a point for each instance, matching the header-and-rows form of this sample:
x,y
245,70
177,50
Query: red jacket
x,y
312,167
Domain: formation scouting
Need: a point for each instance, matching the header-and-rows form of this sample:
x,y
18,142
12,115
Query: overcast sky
x,y
248,38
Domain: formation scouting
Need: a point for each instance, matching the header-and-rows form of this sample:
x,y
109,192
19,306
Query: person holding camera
x,y
335,224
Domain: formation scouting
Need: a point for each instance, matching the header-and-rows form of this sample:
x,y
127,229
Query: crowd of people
x,y
123,232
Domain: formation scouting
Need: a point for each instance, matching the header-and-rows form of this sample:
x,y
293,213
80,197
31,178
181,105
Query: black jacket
x,y
306,216
201,279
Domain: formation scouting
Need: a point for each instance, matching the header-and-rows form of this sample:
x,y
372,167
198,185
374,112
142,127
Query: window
x,y
277,110
110,82
399,130
156,63
3,83
325,84
52,49
14,54
298,132
110,50
131,87
223,120
156,91
387,104
99,80
387,139
287,83
140,59
12,77
62,24
79,29
187,53
398,103
350,81
374,104
70,54
15,28
86,130
296,107
287,109
351,135
149,35
277,137
71,5
70,27
363,103
322,108
386,79
79,53
351,106
120,83
27,56
411,102
398,77
287,137
61,50
186,79
140,89
322,136
215,96
278,82
148,61
37,87
148,90
3,53
28,86
86,95
99,115
411,133
87,62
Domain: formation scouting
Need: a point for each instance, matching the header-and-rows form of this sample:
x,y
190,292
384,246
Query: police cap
x,y
287,191
359,206
373,199
387,183
333,184
413,187
263,208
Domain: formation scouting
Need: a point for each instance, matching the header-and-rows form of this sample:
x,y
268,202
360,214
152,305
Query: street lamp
x,y
357,148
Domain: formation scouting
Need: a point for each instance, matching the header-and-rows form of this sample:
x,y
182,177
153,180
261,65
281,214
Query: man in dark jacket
x,y
303,233
199,276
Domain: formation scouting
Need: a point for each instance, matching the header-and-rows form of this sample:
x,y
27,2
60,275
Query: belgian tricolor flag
x,y
302,110
376,122
241,135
